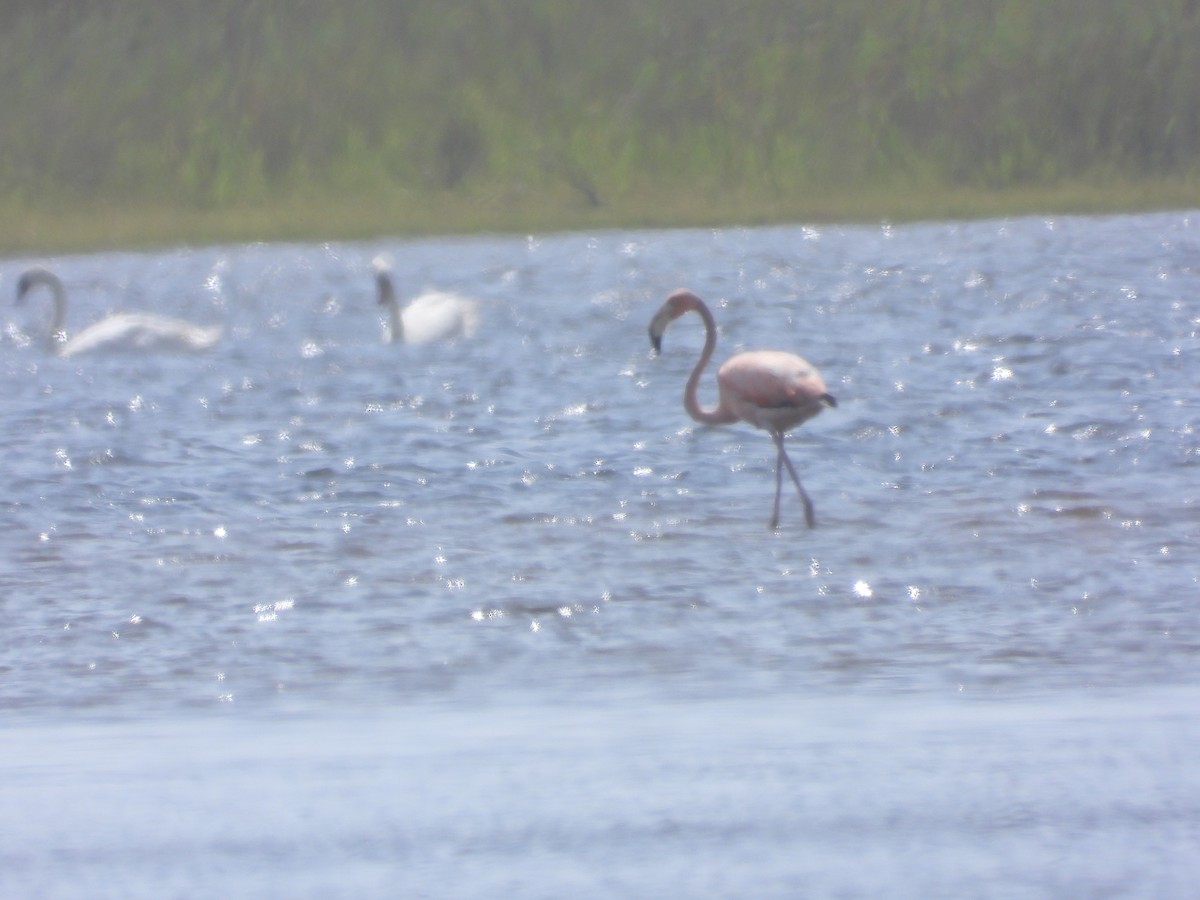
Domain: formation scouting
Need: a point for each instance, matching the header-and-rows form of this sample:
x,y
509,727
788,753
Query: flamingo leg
x,y
778,485
809,516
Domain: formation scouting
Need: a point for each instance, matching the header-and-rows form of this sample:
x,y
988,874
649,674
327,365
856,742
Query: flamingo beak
x,y
658,325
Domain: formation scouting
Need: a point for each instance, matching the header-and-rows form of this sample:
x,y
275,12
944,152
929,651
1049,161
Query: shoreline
x,y
104,226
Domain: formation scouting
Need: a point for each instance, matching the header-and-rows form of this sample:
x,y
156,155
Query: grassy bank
x,y
97,226
134,124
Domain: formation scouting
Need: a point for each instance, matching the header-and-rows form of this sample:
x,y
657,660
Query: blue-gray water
x,y
312,615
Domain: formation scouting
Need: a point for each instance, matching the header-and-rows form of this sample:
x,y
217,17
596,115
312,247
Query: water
x,y
318,616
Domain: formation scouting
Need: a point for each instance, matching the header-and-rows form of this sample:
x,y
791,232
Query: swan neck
x,y
396,322
387,297
58,309
58,322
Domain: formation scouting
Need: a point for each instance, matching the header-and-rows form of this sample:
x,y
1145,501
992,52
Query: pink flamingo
x,y
770,389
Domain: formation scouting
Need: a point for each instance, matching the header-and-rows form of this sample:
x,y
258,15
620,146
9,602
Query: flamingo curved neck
x,y
719,414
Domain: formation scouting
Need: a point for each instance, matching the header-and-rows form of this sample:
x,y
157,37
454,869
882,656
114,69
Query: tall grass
x,y
306,118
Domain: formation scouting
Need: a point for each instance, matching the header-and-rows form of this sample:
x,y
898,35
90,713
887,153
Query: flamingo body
x,y
770,389
120,331
433,316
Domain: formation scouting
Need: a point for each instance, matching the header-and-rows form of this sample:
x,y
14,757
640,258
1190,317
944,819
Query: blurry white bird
x,y
118,331
433,316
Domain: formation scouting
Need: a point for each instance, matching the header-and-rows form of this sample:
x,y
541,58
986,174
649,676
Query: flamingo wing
x,y
772,389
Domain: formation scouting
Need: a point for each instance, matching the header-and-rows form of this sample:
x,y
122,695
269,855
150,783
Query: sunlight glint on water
x,y
506,538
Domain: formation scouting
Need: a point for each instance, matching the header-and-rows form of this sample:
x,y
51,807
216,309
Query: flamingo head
x,y
677,304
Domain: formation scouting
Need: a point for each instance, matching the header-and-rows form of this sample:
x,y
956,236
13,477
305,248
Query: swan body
x,y
770,389
125,330
433,316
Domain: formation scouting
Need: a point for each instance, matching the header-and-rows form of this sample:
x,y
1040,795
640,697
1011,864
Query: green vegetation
x,y
131,123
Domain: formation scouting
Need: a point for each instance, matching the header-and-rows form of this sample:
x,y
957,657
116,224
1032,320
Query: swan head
x,y
31,278
24,284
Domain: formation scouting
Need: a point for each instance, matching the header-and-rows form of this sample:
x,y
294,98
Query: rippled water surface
x,y
520,544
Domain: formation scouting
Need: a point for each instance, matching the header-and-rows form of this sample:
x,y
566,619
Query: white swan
x,y
433,316
120,330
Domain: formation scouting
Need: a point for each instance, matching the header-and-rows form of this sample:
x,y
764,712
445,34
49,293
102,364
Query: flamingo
x,y
128,329
433,316
770,389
